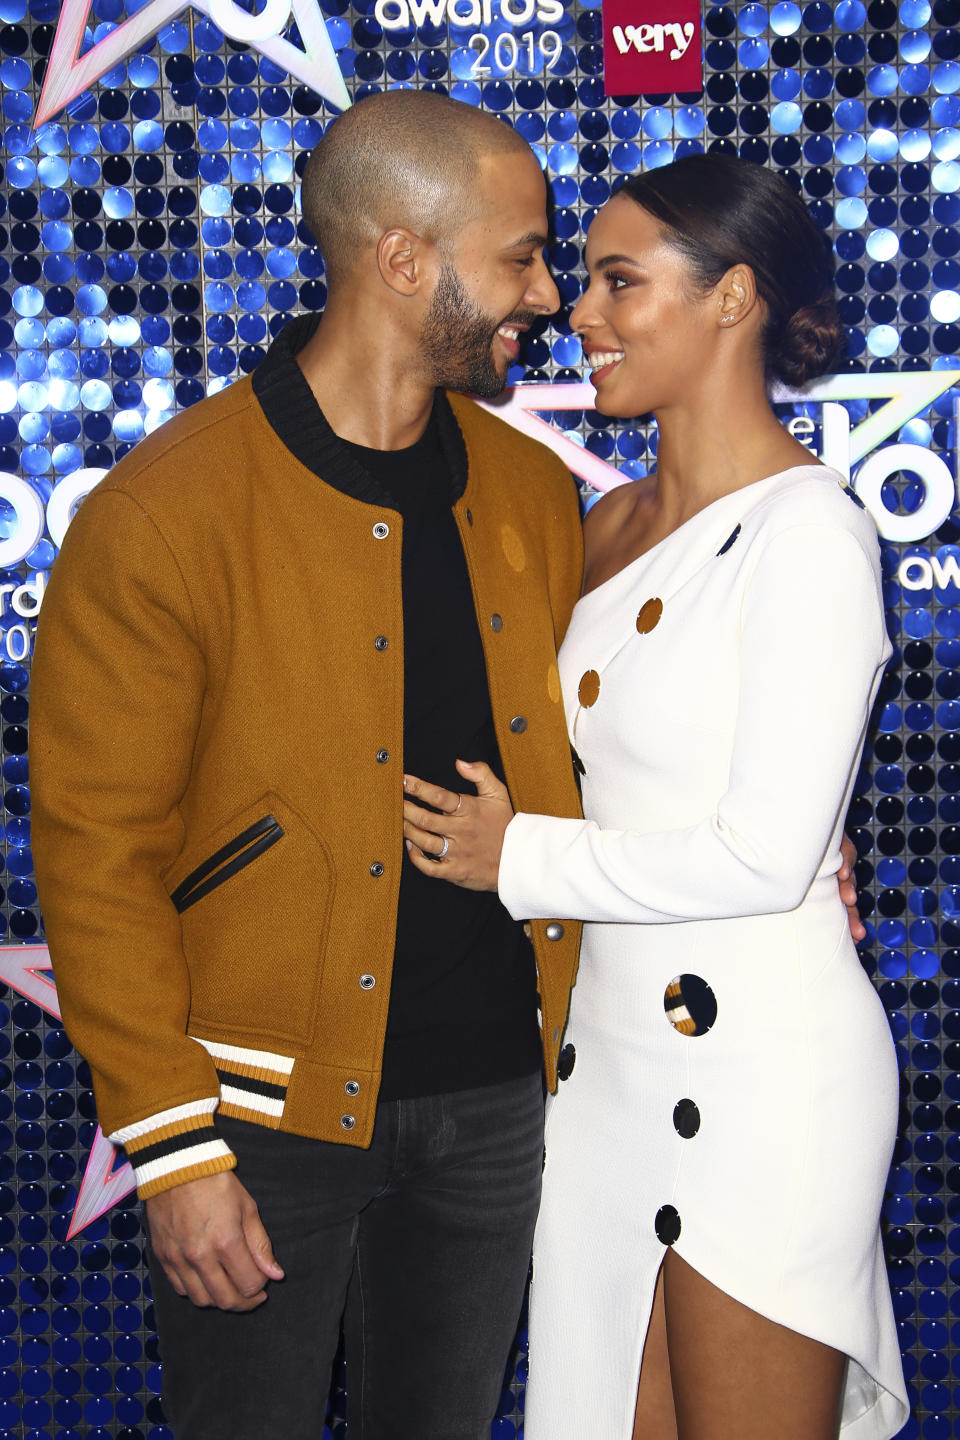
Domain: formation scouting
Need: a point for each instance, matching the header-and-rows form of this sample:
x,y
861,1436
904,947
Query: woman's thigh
x,y
655,1417
734,1372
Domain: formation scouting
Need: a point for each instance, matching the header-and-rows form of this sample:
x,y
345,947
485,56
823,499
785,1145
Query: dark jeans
x,y
420,1243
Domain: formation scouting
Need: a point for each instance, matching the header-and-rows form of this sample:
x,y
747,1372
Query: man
x,y
326,1073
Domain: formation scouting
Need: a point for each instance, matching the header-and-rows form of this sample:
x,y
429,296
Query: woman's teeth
x,y
599,358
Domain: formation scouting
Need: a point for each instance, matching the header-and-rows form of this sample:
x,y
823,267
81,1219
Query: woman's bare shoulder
x,y
613,529
612,511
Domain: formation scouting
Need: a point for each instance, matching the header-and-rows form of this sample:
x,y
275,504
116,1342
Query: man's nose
x,y
542,294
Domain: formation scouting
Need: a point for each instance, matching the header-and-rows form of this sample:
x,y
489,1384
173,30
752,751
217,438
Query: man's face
x,y
493,282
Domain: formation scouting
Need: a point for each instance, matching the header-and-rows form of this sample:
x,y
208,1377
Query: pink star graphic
x,y
518,406
26,969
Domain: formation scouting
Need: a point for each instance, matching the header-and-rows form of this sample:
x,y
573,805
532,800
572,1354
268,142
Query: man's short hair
x,y
401,157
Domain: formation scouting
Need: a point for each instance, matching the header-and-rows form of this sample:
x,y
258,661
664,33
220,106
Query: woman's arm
x,y
807,687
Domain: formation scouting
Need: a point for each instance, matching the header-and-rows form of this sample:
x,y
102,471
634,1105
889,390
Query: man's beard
x,y
457,338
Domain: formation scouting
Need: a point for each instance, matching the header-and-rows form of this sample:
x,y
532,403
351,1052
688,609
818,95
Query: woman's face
x,y
648,330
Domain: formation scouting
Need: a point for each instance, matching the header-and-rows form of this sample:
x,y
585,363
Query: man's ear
x,y
400,259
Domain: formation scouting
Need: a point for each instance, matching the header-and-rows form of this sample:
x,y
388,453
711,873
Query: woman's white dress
x,y
719,729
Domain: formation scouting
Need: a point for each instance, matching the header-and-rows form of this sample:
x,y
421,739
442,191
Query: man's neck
x,y
368,387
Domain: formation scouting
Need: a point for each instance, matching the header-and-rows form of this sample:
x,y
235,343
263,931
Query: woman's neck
x,y
707,449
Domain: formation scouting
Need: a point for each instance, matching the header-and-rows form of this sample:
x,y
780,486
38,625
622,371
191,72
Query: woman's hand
x,y
463,843
846,879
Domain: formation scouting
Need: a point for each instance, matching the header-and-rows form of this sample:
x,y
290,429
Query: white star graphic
x,y
69,73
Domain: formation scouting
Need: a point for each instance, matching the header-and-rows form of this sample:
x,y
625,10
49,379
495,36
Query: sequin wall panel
x,y
152,245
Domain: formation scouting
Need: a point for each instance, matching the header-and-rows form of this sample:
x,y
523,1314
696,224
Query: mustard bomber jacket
x,y
218,850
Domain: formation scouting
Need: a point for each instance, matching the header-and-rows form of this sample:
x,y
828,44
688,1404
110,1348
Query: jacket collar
x,y
293,414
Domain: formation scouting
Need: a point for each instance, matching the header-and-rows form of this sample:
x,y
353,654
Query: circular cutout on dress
x,y
667,1225
649,616
690,1005
729,542
589,689
686,1119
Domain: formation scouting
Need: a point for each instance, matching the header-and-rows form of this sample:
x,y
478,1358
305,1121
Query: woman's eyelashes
x,y
614,278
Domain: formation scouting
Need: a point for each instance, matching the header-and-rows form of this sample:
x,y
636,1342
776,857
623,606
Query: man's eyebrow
x,y
533,237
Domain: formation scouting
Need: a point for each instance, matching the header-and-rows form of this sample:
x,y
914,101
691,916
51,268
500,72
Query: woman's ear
x,y
736,294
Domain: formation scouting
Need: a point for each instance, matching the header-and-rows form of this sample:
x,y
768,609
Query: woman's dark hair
x,y
720,212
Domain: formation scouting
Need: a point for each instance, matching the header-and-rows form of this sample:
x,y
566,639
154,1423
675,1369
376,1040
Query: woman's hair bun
x,y
811,341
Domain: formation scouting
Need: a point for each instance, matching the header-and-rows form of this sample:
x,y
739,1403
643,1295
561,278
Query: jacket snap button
x,y
383,756
352,1087
496,623
367,982
381,642
518,724
380,530
565,1062
347,1121
469,517
376,869
554,930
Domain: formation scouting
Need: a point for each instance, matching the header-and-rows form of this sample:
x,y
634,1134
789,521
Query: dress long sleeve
x,y
812,647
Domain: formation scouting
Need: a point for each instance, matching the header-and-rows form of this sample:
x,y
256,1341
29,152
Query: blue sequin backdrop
x,y
151,245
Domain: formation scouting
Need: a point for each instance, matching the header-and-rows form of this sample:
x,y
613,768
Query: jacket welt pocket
x,y
228,861
254,898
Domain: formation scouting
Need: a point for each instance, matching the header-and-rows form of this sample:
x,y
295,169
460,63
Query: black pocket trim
x,y
227,861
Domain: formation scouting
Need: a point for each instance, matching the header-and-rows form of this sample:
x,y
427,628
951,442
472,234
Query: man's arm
x,y
116,697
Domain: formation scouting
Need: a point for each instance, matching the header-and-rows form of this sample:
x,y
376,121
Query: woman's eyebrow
x,y
616,260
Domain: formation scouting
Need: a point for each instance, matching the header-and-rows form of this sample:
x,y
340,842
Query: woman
x,y
707,1261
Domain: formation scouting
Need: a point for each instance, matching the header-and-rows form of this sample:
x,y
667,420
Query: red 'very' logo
x,y
651,47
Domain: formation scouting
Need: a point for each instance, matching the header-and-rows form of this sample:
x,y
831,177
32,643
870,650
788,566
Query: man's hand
x,y
848,888
208,1236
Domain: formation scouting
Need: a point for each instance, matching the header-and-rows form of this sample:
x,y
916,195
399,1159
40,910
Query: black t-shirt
x,y
463,994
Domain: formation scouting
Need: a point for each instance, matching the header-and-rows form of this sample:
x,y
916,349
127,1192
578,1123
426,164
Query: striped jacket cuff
x,y
174,1146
